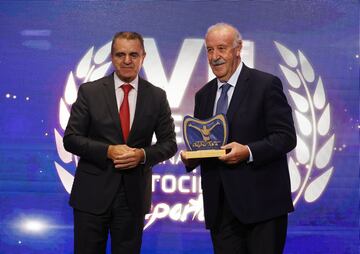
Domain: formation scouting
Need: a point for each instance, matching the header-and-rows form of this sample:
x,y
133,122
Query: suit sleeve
x,y
165,146
76,139
196,115
280,135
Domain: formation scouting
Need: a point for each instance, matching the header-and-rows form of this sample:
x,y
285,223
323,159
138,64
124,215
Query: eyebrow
x,y
130,53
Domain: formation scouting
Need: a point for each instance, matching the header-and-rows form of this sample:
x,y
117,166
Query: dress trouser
x,y
230,236
91,231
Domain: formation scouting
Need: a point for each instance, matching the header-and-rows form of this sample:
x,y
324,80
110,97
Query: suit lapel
x,y
210,100
139,109
110,98
239,93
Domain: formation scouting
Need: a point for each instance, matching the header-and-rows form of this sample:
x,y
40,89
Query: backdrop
x,y
49,48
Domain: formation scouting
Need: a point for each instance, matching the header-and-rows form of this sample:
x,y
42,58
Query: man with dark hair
x,y
128,36
110,128
247,191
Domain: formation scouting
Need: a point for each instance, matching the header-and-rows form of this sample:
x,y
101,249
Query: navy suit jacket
x,y
259,116
94,124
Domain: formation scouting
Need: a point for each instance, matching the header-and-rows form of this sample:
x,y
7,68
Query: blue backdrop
x,y
49,48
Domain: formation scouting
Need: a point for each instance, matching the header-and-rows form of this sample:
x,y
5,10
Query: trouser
x,y
230,236
91,231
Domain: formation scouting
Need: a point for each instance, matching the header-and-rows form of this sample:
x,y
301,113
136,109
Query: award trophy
x,y
203,138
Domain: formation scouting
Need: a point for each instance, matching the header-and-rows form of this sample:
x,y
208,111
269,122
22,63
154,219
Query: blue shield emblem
x,y
209,134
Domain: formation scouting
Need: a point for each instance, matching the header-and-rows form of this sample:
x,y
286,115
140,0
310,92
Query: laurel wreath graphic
x,y
308,164
92,66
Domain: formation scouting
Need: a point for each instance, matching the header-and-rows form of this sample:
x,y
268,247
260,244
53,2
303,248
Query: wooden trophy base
x,y
204,154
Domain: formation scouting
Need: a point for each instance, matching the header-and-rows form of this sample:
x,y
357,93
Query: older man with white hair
x,y
246,192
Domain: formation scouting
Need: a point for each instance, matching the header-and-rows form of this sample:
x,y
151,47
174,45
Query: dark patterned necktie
x,y
222,103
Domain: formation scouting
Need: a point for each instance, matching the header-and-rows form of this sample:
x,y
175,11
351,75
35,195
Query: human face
x,y
127,58
223,55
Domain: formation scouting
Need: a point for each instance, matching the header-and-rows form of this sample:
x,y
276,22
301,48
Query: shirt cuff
x,y
144,161
251,159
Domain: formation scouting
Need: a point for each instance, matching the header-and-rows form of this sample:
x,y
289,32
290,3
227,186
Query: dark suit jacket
x,y
260,117
94,124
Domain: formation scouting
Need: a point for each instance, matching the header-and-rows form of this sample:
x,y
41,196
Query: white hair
x,y
220,25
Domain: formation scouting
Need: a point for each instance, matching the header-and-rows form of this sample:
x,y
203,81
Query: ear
x,y
143,57
238,49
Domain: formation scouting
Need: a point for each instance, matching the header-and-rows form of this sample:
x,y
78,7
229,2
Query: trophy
x,y
203,138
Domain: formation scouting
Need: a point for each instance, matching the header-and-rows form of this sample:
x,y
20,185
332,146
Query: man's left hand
x,y
238,153
129,159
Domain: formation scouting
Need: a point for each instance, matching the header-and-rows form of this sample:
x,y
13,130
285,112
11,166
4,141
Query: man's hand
x,y
125,157
191,163
238,153
116,150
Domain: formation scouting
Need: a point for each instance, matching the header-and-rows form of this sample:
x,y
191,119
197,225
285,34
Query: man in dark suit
x,y
247,191
110,128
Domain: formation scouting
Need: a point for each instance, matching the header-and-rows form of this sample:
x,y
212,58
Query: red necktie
x,y
125,112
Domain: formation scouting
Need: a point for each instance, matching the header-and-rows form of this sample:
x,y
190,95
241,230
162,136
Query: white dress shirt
x,y
232,82
119,93
132,97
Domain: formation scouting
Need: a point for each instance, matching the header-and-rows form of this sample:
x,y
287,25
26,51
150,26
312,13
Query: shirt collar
x,y
233,79
118,82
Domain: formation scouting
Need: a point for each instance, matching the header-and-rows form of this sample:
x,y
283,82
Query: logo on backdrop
x,y
309,166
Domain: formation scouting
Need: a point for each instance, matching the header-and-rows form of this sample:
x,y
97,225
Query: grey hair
x,y
237,38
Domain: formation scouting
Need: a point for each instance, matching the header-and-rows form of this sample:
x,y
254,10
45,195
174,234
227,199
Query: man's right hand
x,y
115,151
